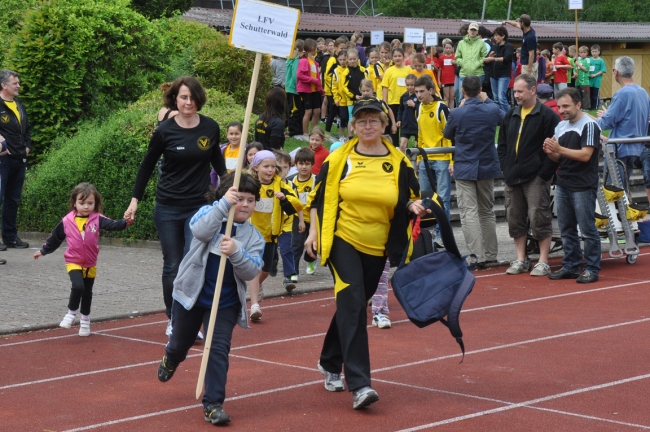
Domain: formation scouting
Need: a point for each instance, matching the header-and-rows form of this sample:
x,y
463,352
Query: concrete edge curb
x,y
53,326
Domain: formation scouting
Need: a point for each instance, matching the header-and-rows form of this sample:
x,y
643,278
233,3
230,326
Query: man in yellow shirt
x,y
15,130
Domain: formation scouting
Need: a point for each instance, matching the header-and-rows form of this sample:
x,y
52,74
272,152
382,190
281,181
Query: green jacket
x,y
292,71
469,56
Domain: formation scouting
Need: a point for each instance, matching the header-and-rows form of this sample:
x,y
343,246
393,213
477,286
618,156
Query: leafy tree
x,y
83,58
12,14
153,9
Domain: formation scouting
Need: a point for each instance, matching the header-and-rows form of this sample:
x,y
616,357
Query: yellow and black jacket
x,y
271,226
325,198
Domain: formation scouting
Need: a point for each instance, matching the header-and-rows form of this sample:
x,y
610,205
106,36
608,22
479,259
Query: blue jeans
x,y
187,323
298,245
499,90
443,181
173,226
576,209
284,242
645,160
12,174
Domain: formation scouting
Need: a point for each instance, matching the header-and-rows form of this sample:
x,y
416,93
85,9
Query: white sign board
x,y
575,4
376,37
431,39
413,35
264,27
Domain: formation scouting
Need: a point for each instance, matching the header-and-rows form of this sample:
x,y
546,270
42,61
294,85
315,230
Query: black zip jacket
x,y
503,69
530,161
17,134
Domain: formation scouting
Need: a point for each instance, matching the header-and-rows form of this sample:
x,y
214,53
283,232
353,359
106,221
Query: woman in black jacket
x,y
269,128
502,59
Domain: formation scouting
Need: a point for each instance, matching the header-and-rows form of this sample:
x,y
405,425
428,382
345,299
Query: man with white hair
x,y
627,116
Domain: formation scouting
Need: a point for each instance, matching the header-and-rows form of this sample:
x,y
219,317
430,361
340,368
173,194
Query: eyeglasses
x,y
372,122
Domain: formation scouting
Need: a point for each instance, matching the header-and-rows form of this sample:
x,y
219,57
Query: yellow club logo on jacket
x,y
4,118
203,143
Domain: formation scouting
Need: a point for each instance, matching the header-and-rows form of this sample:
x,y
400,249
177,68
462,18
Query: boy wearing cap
x,y
545,96
470,54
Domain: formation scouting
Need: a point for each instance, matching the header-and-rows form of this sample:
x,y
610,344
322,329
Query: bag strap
x,y
446,232
427,168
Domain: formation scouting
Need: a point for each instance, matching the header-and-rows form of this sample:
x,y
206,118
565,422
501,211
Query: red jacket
x,y
552,104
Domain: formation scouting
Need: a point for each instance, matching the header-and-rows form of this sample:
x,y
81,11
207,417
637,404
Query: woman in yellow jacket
x,y
359,210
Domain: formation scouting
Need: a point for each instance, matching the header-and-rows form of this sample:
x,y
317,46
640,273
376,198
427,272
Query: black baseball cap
x,y
545,91
367,103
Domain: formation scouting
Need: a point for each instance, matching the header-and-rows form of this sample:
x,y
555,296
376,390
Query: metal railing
x,y
629,140
416,151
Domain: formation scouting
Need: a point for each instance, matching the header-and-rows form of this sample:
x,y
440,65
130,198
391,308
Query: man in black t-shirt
x,y
575,147
528,44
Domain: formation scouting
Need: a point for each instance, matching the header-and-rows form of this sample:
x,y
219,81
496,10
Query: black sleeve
x,y
54,240
507,55
276,133
112,225
217,161
502,148
155,150
549,166
400,110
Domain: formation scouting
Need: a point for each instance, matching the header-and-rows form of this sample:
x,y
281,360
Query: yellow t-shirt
x,y
89,272
432,119
430,74
231,156
374,73
303,188
12,106
263,215
313,71
524,113
368,196
395,81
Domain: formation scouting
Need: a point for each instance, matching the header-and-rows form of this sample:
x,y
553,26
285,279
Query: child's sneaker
x,y
333,382
381,321
256,312
168,330
84,327
166,370
67,320
215,414
294,278
311,268
289,285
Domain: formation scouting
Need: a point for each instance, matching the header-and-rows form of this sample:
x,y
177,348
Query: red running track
x,y
542,355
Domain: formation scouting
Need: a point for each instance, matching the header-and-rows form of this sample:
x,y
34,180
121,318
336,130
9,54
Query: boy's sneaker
x,y
294,278
289,285
518,266
84,327
256,312
380,320
215,414
311,268
333,382
17,243
363,397
199,336
541,269
67,320
166,370
168,330
587,277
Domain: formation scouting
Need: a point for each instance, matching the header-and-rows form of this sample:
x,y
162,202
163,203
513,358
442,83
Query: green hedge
x,y
83,58
107,154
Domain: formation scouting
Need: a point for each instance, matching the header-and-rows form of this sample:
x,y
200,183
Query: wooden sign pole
x,y
231,214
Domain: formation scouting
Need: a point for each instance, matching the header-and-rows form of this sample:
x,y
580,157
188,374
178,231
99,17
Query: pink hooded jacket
x,y
304,79
82,249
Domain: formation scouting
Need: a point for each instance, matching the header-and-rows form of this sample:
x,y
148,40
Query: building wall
x,y
641,57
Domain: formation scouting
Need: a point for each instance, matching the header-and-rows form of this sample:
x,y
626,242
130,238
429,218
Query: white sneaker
x,y
518,266
199,335
311,268
67,320
84,327
256,312
381,321
541,269
294,278
168,331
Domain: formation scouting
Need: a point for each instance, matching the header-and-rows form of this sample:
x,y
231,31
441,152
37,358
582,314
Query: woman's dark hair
x,y
247,183
196,90
274,104
502,31
484,32
83,191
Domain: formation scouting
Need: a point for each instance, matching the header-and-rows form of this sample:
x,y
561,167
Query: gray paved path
x,y
34,293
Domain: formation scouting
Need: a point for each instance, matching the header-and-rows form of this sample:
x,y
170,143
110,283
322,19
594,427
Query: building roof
x,y
394,26
342,7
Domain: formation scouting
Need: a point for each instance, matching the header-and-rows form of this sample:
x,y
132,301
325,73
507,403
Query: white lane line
x,y
173,410
513,344
41,381
46,339
526,403
512,403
